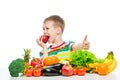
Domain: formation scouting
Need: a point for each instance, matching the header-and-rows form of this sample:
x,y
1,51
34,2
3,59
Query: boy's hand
x,y
40,42
43,45
85,44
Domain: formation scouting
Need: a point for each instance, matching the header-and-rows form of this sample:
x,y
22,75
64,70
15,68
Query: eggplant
x,y
50,72
57,66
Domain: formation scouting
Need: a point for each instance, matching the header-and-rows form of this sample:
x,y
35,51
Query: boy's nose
x,y
44,32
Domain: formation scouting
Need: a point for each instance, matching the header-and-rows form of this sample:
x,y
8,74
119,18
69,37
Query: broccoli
x,y
16,67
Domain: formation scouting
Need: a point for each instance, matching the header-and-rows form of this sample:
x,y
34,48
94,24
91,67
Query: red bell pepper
x,y
37,62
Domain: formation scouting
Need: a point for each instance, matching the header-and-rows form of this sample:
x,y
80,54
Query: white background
x,y
21,23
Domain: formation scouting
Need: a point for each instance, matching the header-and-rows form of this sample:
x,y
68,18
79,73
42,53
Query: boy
x,y
53,26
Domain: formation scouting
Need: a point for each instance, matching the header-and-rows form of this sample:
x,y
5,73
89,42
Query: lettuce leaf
x,y
81,58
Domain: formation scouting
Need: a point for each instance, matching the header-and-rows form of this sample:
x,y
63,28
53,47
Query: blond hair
x,y
58,21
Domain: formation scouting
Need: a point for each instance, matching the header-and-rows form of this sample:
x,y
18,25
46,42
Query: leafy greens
x,y
82,58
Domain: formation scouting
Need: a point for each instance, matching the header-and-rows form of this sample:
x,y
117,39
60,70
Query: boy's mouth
x,y
48,37
45,38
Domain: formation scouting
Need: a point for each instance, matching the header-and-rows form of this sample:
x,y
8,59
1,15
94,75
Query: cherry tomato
x,y
37,72
28,72
81,71
75,71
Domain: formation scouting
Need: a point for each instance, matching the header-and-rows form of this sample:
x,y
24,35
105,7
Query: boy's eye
x,y
45,28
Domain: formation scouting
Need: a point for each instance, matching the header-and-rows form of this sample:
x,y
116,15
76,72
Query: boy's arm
x,y
75,47
44,46
45,53
85,45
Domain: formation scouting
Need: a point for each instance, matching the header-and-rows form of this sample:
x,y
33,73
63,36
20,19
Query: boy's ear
x,y
58,30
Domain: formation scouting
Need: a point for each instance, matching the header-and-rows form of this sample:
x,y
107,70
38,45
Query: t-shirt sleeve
x,y
70,44
41,54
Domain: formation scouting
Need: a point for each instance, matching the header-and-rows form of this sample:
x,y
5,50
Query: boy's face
x,y
51,30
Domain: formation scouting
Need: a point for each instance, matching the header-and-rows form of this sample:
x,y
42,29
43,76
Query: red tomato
x,y
37,72
67,70
75,71
81,71
28,72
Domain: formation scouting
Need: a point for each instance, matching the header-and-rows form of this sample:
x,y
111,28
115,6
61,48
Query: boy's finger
x,y
85,39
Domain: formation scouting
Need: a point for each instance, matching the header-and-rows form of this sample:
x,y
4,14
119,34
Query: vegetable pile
x,y
78,63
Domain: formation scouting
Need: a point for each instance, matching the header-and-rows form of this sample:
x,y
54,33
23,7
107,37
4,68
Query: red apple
x,y
44,38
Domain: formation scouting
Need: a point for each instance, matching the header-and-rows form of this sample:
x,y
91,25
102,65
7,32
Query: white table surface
x,y
4,75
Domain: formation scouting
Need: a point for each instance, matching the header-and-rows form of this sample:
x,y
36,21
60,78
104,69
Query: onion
x,y
67,70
